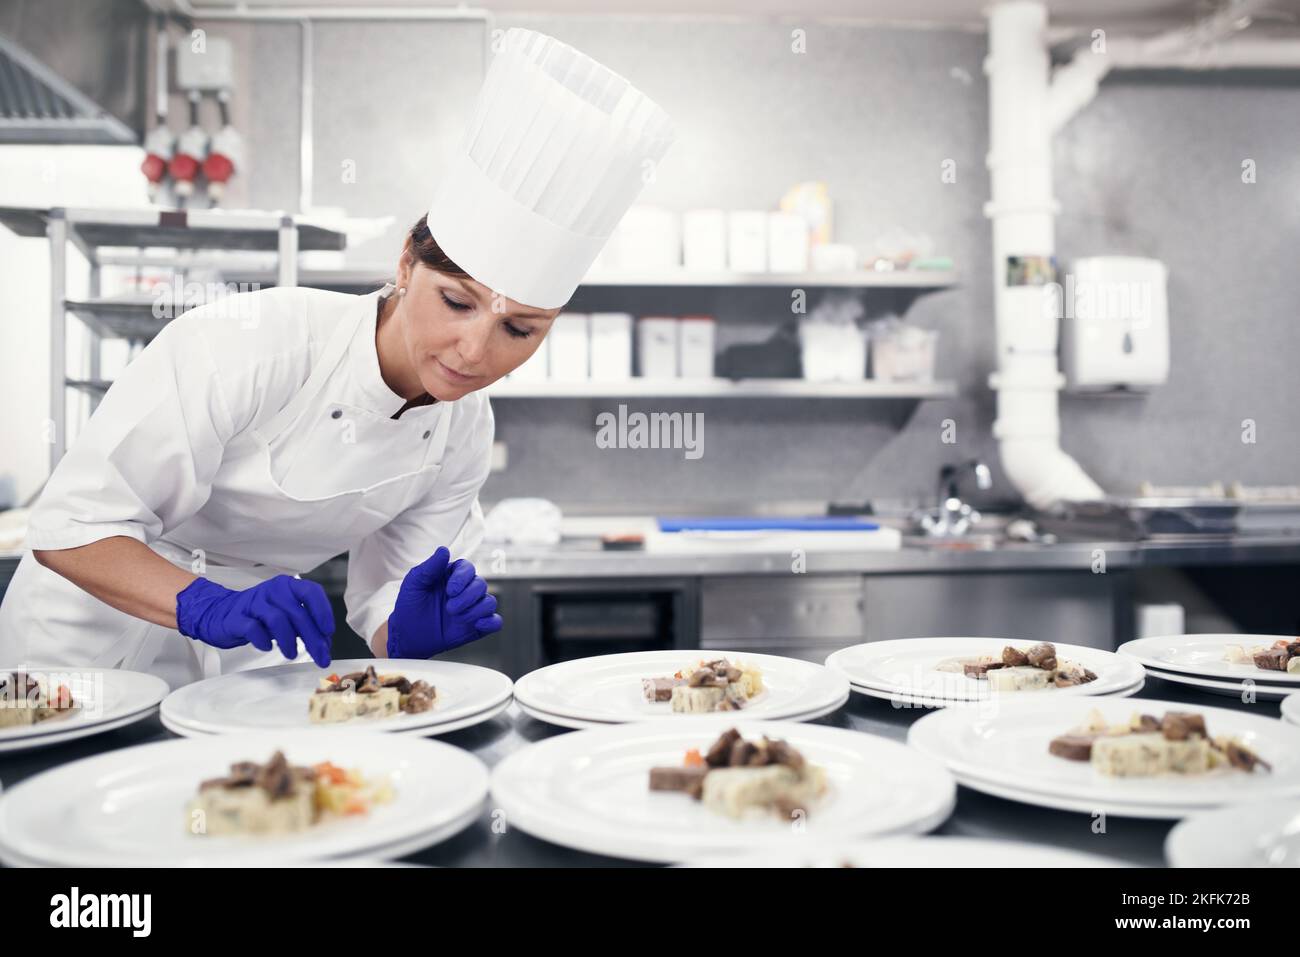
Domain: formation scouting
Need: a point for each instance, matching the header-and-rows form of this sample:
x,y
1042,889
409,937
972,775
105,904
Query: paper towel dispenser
x,y
1114,324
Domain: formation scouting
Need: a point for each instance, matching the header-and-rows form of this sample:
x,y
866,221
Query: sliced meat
x,y
1073,747
741,753
400,682
1042,655
1014,657
979,670
1272,659
658,689
369,683
420,699
779,752
720,750
676,779
1181,725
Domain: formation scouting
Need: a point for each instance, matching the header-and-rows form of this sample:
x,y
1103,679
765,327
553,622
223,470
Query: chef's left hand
x,y
440,607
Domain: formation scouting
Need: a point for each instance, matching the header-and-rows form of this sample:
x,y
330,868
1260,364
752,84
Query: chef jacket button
x,y
337,413
427,434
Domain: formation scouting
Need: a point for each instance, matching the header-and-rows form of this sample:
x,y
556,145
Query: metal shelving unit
x,y
129,232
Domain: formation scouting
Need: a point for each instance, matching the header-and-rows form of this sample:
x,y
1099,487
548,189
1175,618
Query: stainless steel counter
x,y
976,815
585,558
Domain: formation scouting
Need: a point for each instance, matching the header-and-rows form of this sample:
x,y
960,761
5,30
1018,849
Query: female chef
x,y
262,434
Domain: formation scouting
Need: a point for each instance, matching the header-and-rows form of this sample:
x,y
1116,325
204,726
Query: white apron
x,y
329,495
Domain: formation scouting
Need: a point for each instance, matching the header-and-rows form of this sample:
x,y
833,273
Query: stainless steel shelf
x,y
93,230
722,388
134,319
175,229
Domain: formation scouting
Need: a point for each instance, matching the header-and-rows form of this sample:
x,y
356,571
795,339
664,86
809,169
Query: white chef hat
x,y
557,150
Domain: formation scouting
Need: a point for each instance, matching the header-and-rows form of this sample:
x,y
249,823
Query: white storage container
x,y
787,242
570,347
647,239
695,337
611,346
657,346
903,353
747,241
704,239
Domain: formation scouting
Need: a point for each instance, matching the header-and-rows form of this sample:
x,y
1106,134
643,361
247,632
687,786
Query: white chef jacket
x,y
253,437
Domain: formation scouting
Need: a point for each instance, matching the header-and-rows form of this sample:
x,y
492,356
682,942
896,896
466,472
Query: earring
x,y
401,291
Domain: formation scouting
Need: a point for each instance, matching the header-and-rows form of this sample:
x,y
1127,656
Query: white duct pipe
x,y
1022,211
1199,46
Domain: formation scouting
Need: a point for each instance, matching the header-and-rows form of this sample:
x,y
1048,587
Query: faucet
x,y
954,517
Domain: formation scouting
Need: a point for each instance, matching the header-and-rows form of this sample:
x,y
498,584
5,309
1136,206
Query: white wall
x,y
44,176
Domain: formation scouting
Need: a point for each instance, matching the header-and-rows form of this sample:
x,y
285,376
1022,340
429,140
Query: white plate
x,y
907,701
1230,689
436,730
1202,655
907,666
1255,835
1007,747
75,732
913,852
107,698
607,688
1064,802
127,807
561,721
590,790
274,699
1291,708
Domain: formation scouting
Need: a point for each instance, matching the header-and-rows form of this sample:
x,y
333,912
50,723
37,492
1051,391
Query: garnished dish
x,y
1030,669
280,798
1146,746
716,685
737,777
1283,655
367,694
26,699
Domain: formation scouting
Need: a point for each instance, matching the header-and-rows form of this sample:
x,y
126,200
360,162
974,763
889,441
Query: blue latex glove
x,y
440,607
280,610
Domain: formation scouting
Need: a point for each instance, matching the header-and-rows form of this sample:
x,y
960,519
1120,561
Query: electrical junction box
x,y
205,63
1114,324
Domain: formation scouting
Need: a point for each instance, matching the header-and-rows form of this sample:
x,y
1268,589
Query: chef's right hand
x,y
279,610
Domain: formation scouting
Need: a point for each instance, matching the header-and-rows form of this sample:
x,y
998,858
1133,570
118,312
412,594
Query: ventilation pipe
x,y
1023,212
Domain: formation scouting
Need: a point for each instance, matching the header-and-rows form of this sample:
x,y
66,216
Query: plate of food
x,y
1245,687
42,706
1267,659
674,789
401,695
912,852
1131,758
1246,835
944,670
248,799
643,685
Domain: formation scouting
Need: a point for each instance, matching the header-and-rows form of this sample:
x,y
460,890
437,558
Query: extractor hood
x,y
39,106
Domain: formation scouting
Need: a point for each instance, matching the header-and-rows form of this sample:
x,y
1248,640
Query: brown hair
x,y
425,250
